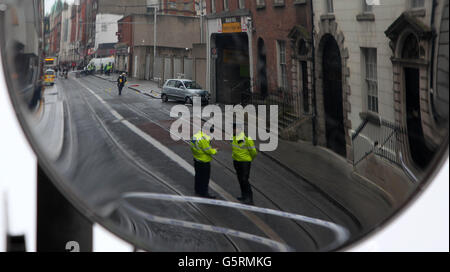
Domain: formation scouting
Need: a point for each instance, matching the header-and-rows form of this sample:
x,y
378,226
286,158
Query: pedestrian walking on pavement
x,y
244,152
121,80
202,152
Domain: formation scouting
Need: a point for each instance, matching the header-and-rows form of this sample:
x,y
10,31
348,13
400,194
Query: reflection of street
x,y
123,145
49,122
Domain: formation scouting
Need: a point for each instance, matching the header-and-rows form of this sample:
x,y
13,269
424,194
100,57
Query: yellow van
x,y
49,77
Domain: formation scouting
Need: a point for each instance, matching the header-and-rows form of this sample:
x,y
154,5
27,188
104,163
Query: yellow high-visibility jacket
x,y
243,147
201,147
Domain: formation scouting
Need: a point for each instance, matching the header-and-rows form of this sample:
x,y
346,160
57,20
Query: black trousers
x,y
243,174
120,89
202,175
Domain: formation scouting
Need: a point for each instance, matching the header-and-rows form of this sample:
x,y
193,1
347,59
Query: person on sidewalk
x,y
121,80
202,152
244,152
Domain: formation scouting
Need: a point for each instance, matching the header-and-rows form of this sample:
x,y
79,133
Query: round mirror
x,y
224,125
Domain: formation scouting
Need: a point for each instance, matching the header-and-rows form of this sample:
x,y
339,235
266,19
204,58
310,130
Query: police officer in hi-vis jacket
x,y
244,152
203,152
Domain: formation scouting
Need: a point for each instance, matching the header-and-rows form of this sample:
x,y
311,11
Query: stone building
x,y
374,86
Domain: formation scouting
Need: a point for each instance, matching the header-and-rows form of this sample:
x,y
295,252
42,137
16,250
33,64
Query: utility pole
x,y
154,34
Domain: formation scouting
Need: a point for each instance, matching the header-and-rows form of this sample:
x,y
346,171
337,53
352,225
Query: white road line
x,y
340,232
277,246
185,165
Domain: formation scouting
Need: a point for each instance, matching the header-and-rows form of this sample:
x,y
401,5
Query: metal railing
x,y
382,139
288,104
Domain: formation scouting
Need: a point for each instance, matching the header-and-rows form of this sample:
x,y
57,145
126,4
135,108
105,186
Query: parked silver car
x,y
183,90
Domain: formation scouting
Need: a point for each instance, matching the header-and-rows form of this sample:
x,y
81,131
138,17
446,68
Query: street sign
x,y
231,27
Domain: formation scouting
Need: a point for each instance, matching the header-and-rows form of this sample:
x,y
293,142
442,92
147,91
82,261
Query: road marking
x,y
340,232
277,246
184,164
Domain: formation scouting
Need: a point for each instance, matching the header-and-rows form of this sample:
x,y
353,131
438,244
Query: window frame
x,y
329,6
213,6
172,4
370,78
278,3
226,5
282,64
260,3
241,4
417,4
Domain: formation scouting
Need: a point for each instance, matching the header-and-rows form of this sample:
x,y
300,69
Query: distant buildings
x,y
92,28
176,37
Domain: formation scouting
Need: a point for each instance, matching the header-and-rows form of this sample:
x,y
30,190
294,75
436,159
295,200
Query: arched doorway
x,y
420,153
262,67
332,96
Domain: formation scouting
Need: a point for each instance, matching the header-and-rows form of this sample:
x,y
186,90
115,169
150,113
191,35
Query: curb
x,y
113,81
145,93
132,88
372,186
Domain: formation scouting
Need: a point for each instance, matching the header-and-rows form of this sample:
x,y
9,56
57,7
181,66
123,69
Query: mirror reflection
x,y
232,125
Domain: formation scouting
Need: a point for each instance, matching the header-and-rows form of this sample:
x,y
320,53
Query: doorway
x,y
420,153
232,67
332,96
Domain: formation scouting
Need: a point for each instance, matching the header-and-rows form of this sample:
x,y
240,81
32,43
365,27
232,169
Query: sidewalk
x,y
146,87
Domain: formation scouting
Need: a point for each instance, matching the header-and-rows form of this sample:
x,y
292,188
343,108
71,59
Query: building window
x,y
225,5
66,30
172,4
260,3
371,81
367,8
188,6
213,6
417,3
278,2
241,4
329,6
282,71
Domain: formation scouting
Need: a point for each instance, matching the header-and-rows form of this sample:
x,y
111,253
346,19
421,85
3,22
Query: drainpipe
x,y
313,76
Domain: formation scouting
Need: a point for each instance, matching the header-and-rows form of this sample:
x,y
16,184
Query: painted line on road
x,y
341,233
277,246
184,164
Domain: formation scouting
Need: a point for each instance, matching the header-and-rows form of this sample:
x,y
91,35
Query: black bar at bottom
x,y
60,226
